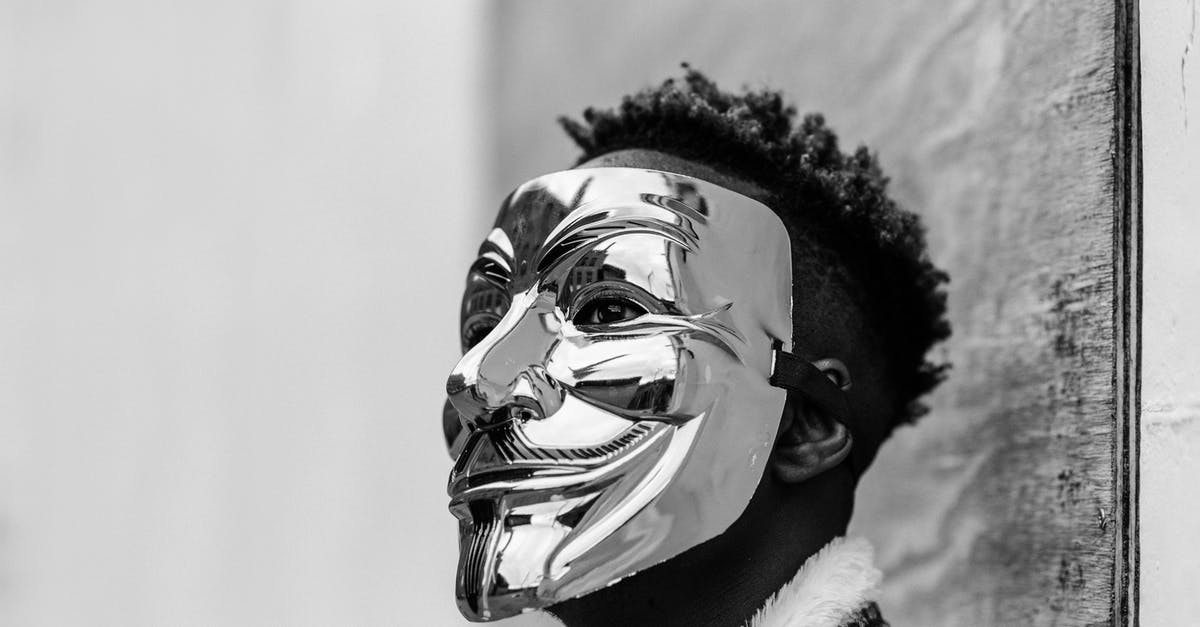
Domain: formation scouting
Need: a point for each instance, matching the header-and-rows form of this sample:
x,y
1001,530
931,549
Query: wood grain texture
x,y
996,123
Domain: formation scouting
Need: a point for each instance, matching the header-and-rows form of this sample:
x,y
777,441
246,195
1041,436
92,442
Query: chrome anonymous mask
x,y
614,406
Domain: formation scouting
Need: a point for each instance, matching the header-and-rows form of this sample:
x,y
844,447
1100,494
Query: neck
x,y
724,581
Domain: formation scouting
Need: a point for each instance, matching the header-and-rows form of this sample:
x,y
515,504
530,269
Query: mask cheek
x,y
709,371
666,376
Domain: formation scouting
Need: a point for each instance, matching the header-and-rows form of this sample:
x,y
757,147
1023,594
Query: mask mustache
x,y
504,455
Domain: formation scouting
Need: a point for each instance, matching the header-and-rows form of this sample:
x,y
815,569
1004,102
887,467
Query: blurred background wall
x,y
1170,456
995,122
232,240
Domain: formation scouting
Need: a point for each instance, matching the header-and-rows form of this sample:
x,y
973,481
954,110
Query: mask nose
x,y
504,376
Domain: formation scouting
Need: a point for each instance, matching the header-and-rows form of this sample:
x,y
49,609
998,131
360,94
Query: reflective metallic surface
x,y
612,408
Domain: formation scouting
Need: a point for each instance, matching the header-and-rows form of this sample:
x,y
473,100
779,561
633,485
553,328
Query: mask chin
x,y
531,518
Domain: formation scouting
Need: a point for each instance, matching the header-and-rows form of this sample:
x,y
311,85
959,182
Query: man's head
x,y
853,247
618,330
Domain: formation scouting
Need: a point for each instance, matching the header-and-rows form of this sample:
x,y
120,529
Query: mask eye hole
x,y
476,328
607,309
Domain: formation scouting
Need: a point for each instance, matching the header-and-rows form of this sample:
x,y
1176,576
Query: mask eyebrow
x,y
493,268
590,229
495,260
498,240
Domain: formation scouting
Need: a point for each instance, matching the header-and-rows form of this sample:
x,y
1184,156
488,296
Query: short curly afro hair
x,y
822,195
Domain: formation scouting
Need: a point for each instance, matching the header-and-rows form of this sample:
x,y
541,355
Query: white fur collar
x,y
832,585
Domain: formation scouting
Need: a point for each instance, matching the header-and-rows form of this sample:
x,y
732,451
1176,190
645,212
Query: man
x,y
680,357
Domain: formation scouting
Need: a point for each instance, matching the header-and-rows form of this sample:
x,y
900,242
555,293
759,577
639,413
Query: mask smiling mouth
x,y
502,460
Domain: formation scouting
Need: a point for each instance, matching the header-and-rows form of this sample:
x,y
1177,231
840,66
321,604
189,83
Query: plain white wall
x,y
1170,452
232,239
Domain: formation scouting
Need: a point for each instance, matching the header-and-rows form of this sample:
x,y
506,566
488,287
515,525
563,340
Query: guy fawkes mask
x,y
613,406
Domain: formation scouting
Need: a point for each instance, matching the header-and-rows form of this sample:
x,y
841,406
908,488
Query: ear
x,y
810,441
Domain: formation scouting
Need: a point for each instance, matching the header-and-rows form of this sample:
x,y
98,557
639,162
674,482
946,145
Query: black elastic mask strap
x,y
798,375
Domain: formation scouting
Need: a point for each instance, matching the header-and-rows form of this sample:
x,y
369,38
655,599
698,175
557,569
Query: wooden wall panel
x,y
996,122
